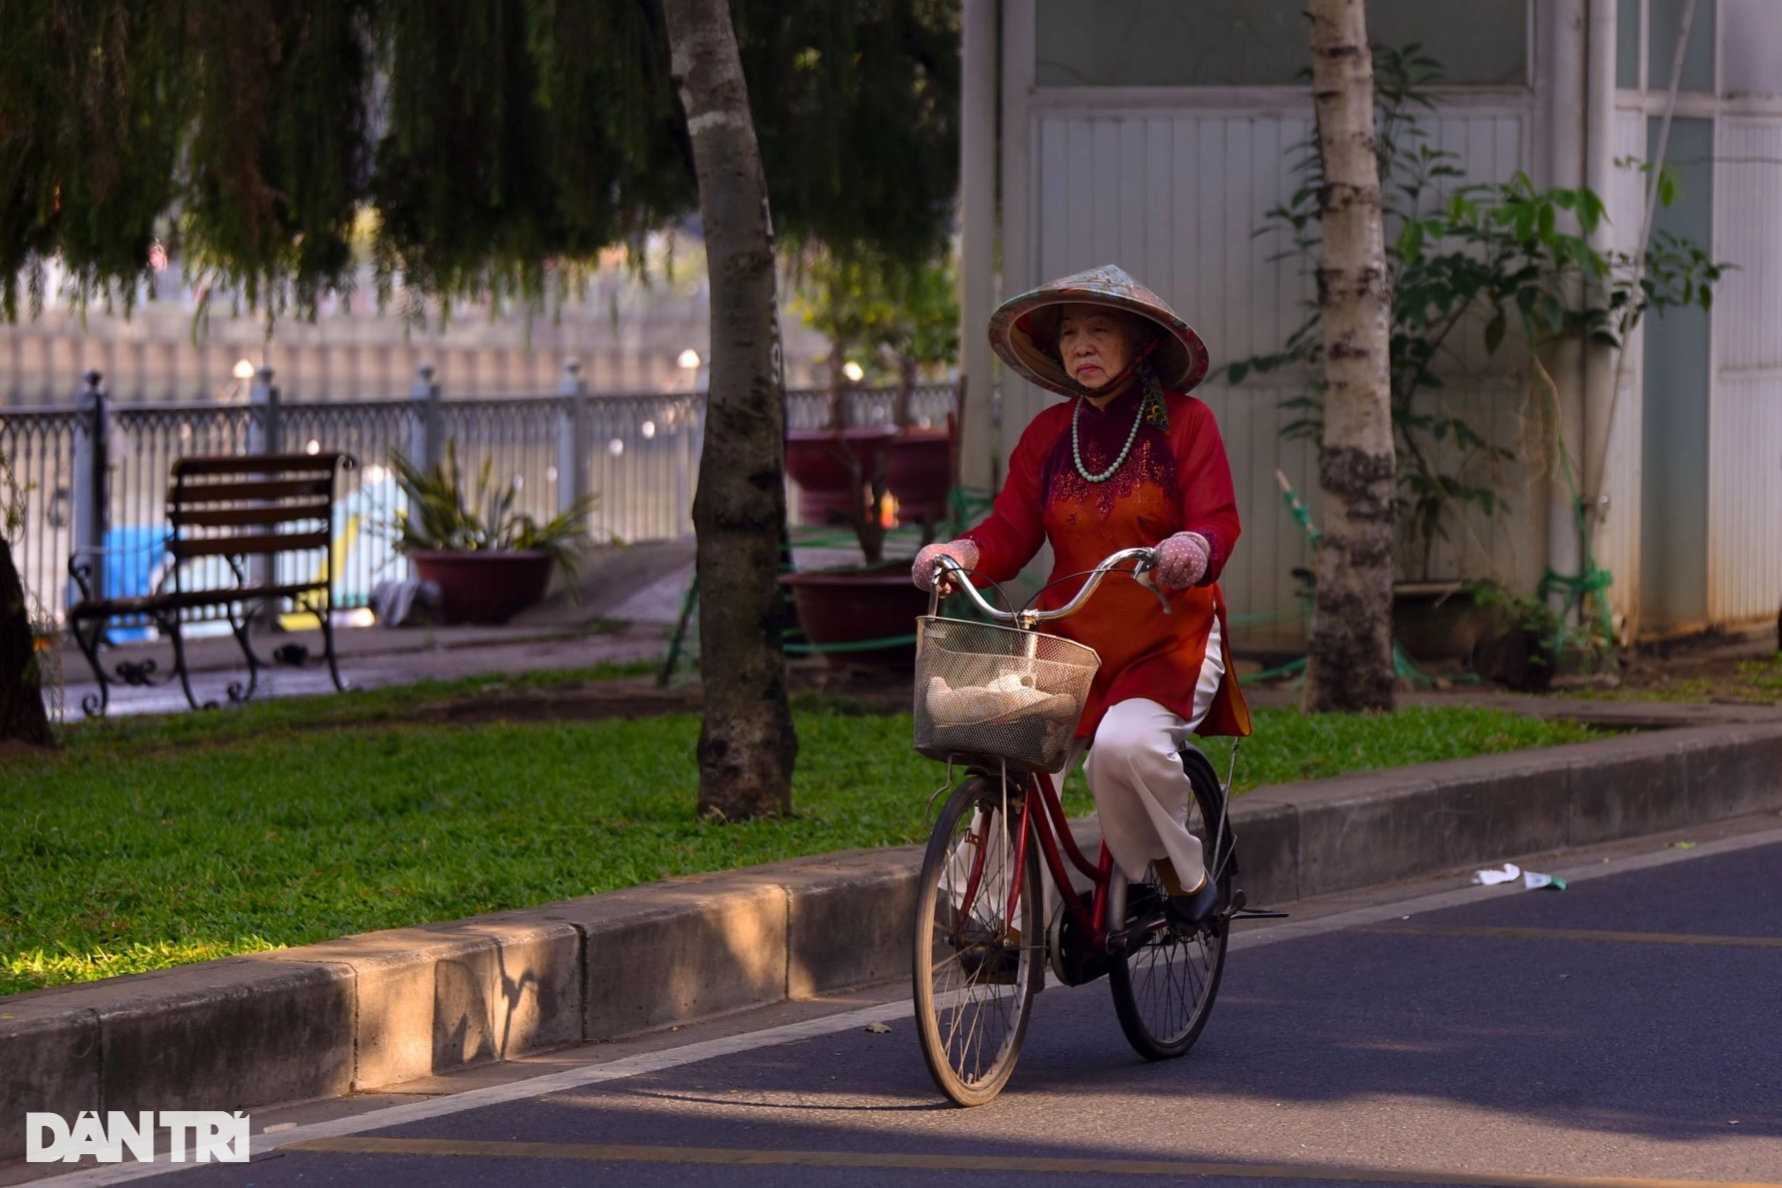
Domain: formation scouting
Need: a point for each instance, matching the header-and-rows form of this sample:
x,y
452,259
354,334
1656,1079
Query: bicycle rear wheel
x,y
975,975
1164,989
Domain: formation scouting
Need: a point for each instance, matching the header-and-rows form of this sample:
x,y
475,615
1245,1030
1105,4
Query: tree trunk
x,y
22,717
1350,655
747,746
906,390
838,383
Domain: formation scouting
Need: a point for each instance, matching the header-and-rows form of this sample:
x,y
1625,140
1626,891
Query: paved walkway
x,y
628,608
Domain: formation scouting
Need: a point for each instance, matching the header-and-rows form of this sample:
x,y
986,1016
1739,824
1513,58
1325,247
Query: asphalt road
x,y
1629,1028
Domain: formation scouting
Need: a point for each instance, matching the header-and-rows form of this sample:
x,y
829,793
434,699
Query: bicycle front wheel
x,y
1163,989
976,964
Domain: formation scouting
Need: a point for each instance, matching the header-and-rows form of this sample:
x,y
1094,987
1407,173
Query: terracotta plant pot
x,y
1516,657
817,461
855,606
484,586
921,474
1435,621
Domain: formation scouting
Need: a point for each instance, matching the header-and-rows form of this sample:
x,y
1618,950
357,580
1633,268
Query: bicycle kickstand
x,y
1237,910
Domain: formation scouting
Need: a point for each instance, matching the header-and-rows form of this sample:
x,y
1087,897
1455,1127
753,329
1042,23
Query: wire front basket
x,y
988,693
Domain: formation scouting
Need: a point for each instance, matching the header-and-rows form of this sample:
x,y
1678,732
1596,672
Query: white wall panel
x,y
1745,418
1745,498
1748,218
1175,196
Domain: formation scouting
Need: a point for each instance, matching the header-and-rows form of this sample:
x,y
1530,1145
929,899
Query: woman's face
x,y
1094,343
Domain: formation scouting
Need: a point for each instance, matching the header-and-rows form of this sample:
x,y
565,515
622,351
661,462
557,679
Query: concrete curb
x,y
374,1010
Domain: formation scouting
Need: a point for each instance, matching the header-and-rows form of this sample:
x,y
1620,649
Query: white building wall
x,y
1173,185
1745,416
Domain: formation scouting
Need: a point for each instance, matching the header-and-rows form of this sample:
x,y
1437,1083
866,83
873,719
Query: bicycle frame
x,y
1051,829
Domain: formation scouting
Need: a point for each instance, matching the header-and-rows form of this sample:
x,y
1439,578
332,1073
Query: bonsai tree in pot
x,y
837,464
903,320
489,561
923,338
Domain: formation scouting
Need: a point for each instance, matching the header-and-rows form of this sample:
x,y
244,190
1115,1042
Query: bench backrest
x,y
254,505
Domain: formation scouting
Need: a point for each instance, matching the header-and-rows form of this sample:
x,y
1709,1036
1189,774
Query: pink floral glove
x,y
965,552
1182,560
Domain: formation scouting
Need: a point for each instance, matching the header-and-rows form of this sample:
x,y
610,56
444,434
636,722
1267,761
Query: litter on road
x,y
1510,872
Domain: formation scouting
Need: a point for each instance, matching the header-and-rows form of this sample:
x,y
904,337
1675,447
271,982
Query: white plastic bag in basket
x,y
1008,696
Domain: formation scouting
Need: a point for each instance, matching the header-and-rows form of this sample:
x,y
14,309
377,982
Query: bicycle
x,y
979,939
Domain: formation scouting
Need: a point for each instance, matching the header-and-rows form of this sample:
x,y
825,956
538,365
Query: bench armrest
x,y
80,564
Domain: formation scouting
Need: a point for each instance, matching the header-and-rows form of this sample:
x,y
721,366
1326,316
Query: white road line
x,y
694,1053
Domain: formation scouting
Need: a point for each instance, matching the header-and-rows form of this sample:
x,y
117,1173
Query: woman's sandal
x,y
1191,908
1196,907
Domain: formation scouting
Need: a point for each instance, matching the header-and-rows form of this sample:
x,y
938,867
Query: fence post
x,y
575,479
266,430
92,480
266,433
426,444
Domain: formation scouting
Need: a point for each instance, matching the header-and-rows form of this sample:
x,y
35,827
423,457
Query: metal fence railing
x,y
92,479
929,405
39,447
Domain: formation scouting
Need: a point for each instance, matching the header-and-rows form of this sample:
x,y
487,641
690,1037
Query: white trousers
x,y
1135,774
1141,795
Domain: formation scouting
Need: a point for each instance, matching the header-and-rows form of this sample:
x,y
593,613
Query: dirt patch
x,y
631,698
1747,672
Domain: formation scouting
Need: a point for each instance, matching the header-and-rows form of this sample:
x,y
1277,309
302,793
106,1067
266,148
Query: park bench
x,y
246,535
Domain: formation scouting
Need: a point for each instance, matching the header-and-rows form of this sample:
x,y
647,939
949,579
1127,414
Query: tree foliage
x,y
484,148
901,316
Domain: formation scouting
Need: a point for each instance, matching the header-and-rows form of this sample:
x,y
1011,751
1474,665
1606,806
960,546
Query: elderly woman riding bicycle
x,y
1129,460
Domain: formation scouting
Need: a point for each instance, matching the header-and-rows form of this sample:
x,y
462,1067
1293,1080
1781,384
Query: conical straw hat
x,y
1027,340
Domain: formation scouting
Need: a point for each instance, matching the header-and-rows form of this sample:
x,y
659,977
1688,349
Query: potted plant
x,y
1437,620
923,337
847,609
489,561
904,319
1516,648
833,463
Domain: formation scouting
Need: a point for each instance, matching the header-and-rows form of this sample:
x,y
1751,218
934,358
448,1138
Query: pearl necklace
x,y
1076,448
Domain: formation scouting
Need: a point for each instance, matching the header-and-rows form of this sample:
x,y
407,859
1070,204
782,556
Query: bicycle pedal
x,y
1128,940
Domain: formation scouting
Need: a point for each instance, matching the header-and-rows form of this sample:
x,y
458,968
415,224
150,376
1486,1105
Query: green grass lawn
x,y
149,844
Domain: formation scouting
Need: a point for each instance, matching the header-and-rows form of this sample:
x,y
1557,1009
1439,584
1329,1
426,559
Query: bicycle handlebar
x,y
945,566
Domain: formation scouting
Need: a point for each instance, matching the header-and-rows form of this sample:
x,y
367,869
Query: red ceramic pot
x,y
921,474
842,608
484,586
817,460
